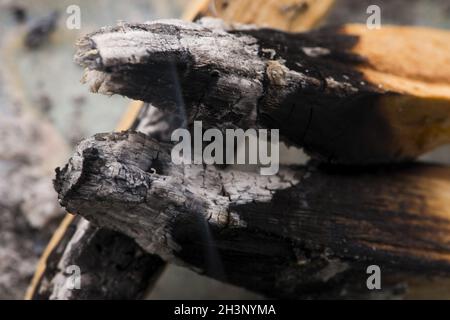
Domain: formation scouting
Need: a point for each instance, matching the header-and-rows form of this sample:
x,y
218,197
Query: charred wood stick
x,y
302,232
111,266
347,95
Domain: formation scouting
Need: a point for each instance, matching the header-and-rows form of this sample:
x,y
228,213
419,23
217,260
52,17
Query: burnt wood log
x,y
306,232
347,95
158,123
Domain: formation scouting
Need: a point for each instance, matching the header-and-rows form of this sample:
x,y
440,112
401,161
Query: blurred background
x,y
45,111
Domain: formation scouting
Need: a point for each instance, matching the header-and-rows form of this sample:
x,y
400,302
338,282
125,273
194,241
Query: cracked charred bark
x,y
347,95
320,228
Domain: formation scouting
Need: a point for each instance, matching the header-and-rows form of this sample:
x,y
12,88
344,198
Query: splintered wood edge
x,y
196,9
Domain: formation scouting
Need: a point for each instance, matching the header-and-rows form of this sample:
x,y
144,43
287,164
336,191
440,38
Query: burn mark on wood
x,y
312,86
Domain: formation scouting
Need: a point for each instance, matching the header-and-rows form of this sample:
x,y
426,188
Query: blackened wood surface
x,y
272,234
308,85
